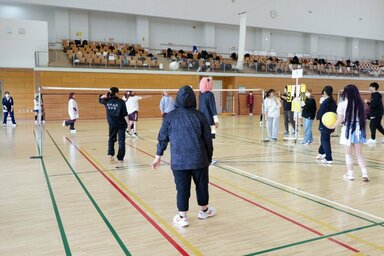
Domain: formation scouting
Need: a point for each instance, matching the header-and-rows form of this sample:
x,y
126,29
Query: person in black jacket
x,y
375,112
288,113
327,105
117,117
7,103
191,153
308,114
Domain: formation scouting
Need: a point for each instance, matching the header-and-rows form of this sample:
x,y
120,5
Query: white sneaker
x,y
182,222
14,125
206,214
320,156
371,141
365,178
325,161
213,162
4,125
348,177
73,131
63,123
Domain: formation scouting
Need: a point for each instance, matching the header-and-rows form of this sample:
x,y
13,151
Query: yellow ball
x,y
329,119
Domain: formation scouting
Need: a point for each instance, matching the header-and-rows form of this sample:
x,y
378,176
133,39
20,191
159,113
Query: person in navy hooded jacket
x,y
189,133
328,105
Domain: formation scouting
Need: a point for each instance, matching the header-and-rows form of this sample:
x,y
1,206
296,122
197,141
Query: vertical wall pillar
x,y
313,44
142,31
355,48
266,40
242,35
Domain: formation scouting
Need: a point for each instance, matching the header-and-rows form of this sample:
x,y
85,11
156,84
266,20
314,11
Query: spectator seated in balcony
x,y
234,56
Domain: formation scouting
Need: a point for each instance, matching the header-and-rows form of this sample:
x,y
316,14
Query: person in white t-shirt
x,y
272,106
351,115
132,103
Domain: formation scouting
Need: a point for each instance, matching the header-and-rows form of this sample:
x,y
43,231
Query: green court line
x,y
109,225
297,194
55,208
314,239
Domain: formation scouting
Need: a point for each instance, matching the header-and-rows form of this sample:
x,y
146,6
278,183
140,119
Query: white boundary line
x,y
301,192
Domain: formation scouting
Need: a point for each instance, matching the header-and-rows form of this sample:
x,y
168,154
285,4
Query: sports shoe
x,y
303,142
63,123
73,131
286,133
181,221
261,123
14,125
110,158
213,162
371,141
320,156
325,161
348,177
365,178
206,214
4,125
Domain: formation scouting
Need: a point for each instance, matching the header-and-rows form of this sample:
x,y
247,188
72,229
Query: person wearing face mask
x,y
308,114
288,113
8,109
328,105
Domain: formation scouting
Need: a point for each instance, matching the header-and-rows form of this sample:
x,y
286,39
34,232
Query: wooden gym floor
x,y
272,198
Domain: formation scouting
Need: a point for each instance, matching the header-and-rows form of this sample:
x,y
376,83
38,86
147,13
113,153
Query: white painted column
x,y
242,35
355,48
265,40
61,24
142,31
380,49
208,36
313,44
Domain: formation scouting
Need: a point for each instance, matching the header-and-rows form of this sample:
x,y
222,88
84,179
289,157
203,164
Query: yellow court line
x,y
144,205
323,224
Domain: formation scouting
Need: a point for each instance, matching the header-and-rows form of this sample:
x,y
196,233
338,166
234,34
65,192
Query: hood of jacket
x,y
185,98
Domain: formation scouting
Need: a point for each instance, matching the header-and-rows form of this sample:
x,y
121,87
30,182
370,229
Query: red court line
x,y
154,224
268,210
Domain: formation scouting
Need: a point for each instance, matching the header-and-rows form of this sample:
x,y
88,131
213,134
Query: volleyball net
x,y
228,101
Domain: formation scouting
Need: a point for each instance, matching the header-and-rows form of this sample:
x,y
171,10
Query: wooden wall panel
x,y
20,83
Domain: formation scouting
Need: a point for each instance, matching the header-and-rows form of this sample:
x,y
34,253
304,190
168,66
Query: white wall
x,y
31,13
283,42
21,38
179,32
367,50
348,18
64,23
120,27
332,47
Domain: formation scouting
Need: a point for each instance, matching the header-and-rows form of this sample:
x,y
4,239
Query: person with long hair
x,y
73,112
328,105
272,106
308,114
207,105
351,115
